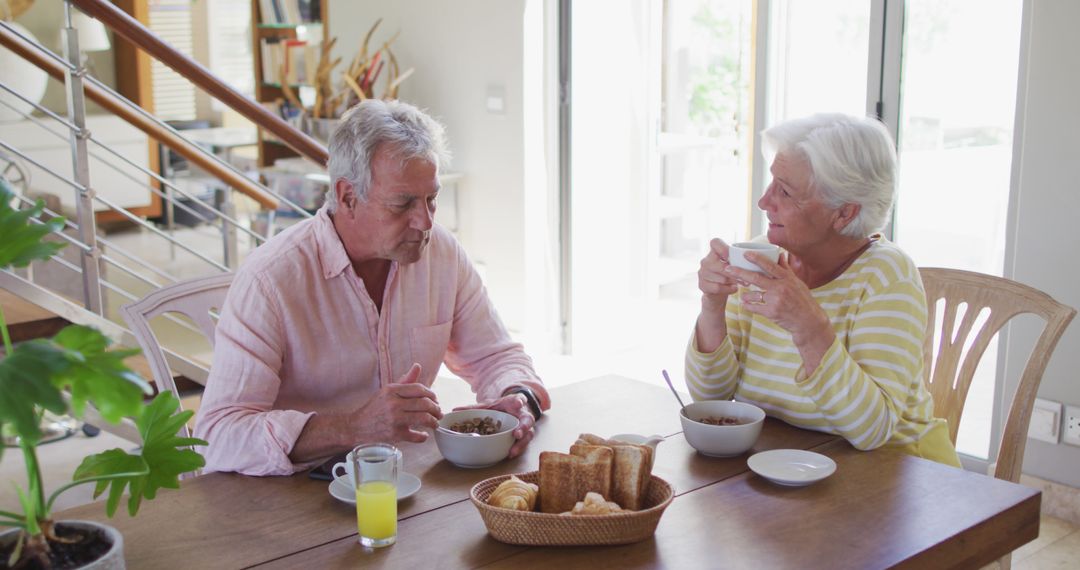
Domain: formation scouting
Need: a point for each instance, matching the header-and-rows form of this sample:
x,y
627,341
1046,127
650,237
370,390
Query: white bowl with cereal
x,y
721,428
475,438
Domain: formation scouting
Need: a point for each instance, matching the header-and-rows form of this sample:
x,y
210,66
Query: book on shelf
x,y
289,12
295,62
310,10
288,61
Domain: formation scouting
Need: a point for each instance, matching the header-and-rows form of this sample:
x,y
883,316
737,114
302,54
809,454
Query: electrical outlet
x,y
1071,435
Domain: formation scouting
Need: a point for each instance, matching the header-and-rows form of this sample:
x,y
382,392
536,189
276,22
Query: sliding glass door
x,y
666,115
958,100
660,153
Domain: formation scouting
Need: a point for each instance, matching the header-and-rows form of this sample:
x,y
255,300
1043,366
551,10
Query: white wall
x,y
460,50
1046,206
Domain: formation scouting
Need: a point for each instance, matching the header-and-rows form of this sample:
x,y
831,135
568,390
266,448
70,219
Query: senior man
x,y
333,331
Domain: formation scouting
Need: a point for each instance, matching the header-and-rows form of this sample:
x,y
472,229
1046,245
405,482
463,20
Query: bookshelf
x,y
275,21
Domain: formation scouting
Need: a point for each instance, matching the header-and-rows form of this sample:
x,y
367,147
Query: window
x,y
174,96
955,140
229,38
665,109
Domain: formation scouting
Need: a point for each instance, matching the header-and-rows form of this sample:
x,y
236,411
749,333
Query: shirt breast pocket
x,y
428,348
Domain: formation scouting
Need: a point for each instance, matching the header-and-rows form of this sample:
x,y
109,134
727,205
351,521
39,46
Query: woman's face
x,y
798,219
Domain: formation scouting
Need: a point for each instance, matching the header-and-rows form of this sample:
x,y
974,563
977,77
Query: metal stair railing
x,y
96,253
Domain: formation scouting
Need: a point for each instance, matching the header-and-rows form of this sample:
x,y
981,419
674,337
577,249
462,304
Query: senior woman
x,y
830,337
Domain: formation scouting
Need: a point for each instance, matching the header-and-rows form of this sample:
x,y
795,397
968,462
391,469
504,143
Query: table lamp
x,y
23,77
92,34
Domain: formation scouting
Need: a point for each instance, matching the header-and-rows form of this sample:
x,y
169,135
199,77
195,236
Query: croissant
x,y
514,494
594,504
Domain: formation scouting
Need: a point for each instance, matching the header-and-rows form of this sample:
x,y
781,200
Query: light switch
x,y
1045,421
496,100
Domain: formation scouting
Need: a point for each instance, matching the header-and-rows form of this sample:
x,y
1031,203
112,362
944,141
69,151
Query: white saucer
x,y
342,488
791,467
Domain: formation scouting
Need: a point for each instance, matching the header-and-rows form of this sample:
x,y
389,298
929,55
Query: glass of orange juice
x,y
375,470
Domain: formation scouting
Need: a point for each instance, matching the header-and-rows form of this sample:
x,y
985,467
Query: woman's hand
x,y
784,299
716,286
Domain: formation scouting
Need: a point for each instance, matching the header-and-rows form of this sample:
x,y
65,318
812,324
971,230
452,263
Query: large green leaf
x,y
99,375
25,386
76,359
113,462
163,457
21,241
165,452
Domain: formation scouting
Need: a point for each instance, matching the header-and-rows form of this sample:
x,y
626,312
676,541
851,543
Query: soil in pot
x,y
90,544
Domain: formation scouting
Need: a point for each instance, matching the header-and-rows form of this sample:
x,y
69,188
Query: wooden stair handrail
x,y
131,29
121,109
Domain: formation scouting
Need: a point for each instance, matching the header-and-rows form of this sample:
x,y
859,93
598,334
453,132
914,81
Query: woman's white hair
x,y
408,131
852,161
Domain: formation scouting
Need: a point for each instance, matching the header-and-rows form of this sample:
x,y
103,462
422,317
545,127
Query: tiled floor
x,y
1058,546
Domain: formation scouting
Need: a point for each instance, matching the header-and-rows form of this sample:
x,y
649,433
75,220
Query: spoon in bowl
x,y
672,386
450,431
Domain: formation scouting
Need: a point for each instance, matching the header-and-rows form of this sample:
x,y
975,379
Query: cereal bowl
x,y
721,440
473,450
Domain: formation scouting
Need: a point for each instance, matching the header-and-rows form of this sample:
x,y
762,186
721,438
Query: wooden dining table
x,y
880,509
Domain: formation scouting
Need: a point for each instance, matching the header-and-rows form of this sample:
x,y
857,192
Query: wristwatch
x,y
530,399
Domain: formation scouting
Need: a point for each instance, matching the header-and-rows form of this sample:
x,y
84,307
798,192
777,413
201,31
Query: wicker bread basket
x,y
545,529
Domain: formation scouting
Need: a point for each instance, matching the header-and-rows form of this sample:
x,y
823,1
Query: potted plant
x,y
34,376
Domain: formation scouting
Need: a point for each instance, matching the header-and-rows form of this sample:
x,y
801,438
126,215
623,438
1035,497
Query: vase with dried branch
x,y
336,93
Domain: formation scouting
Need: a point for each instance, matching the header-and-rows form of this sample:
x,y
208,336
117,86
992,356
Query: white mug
x,y
737,254
347,466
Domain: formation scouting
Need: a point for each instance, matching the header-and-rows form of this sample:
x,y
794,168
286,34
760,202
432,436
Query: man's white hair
x,y
372,123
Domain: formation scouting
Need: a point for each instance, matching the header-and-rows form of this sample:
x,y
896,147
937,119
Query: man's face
x,y
395,221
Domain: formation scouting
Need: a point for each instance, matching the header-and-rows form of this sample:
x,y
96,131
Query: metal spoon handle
x,y
673,391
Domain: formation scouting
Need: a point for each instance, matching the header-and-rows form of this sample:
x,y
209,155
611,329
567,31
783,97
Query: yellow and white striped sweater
x,y
868,387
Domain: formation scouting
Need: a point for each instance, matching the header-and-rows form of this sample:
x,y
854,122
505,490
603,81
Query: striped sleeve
x,y
715,375
862,387
711,376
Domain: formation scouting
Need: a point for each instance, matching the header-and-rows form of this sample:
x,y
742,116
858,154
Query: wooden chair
x,y
195,299
950,375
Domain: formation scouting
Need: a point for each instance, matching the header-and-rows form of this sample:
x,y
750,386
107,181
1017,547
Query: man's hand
x,y
515,405
400,411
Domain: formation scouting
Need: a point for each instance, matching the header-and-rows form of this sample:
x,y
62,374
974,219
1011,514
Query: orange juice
x,y
376,511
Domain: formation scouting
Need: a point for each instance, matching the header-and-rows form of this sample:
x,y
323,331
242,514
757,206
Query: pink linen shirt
x,y
299,335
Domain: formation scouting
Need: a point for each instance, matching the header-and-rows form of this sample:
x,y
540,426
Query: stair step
x,y
28,321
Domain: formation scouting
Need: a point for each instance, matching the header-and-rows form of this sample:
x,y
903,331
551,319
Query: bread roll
x,y
594,504
514,494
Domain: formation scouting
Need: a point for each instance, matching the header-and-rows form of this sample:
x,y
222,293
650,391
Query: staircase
x,y
96,273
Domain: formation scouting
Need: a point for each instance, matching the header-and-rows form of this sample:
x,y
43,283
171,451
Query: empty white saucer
x,y
342,488
791,467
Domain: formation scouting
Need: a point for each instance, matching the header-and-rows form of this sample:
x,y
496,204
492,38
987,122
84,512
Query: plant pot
x,y
112,559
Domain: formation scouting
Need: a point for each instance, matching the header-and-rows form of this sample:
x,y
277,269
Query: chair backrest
x,y
948,374
195,299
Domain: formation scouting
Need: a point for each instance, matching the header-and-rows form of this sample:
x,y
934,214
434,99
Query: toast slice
x,y
631,467
591,439
566,478
630,475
